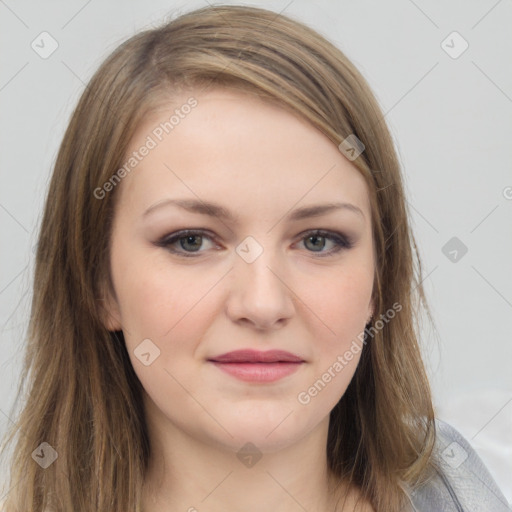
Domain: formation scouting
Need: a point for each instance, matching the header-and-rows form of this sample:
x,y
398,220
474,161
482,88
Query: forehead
x,y
233,143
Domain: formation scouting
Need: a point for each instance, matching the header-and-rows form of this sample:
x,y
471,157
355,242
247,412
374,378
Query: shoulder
x,y
463,483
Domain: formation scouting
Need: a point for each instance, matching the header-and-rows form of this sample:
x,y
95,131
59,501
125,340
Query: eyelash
x,y
341,241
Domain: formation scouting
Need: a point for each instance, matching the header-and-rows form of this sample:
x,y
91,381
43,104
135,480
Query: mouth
x,y
257,366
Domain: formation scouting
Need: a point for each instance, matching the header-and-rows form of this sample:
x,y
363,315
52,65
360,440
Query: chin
x,y
269,430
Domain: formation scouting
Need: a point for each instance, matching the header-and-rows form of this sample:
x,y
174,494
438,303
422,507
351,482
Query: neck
x,y
186,473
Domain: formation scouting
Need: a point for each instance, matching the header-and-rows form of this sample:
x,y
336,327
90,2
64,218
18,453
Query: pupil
x,y
315,239
190,239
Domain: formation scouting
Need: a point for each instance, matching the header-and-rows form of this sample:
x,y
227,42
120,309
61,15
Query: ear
x,y
108,309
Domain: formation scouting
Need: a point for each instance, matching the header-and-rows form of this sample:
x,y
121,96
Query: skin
x,y
261,163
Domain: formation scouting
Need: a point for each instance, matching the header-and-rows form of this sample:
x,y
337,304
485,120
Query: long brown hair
x,y
82,396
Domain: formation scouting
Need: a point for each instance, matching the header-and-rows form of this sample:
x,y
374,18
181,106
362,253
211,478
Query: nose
x,y
260,295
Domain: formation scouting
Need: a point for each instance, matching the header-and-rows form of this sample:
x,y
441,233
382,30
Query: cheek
x,y
158,302
342,306
148,304
351,300
341,302
172,310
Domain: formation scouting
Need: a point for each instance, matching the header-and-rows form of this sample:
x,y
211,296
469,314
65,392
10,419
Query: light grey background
x,y
452,122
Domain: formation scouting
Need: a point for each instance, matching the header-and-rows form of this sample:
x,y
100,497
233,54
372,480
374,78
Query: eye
x,y
318,239
184,243
188,243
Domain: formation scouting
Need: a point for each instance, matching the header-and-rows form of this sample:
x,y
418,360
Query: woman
x,y
226,297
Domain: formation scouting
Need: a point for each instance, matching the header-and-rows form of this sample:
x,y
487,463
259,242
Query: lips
x,y
256,366
256,356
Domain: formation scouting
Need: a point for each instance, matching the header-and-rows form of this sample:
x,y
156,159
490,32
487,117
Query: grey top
x,y
465,484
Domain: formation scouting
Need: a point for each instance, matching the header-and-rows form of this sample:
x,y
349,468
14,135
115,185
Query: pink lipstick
x,y
256,366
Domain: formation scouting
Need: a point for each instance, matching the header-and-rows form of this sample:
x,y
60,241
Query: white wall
x,y
452,121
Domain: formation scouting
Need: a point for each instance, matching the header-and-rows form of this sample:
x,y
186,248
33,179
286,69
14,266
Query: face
x,y
225,238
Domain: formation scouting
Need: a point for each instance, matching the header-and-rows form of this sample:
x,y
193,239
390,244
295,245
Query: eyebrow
x,y
216,210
